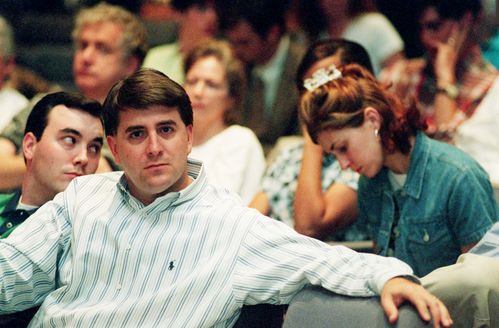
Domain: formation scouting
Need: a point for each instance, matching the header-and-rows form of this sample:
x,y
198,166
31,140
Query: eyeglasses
x,y
433,25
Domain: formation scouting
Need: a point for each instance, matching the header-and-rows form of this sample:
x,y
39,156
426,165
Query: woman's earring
x,y
376,132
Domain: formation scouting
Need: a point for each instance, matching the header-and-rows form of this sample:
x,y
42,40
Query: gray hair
x,y
134,32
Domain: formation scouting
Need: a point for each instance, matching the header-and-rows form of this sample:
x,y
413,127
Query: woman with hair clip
x,y
303,187
425,202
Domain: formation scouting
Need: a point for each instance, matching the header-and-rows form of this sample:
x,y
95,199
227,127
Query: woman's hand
x,y
449,52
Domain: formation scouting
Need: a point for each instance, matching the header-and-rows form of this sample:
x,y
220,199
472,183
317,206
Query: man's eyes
x,y
69,140
103,48
142,134
166,129
95,149
136,134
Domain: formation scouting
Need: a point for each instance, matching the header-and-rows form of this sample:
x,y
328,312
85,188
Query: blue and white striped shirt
x,y
97,257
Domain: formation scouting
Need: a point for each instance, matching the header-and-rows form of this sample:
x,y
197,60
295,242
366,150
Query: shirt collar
x,y
195,170
417,166
273,68
13,201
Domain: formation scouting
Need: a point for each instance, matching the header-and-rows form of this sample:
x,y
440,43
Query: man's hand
x,y
398,289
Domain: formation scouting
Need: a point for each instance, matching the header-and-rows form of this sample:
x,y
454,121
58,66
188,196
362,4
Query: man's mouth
x,y
73,174
155,165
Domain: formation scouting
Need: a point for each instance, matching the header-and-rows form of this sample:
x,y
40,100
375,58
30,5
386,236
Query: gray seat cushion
x,y
317,307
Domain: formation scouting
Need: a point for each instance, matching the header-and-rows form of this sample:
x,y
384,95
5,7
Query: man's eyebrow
x,y
141,127
167,122
100,140
133,128
71,131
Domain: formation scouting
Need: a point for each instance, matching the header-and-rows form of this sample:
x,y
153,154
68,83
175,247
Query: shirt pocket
x,y
431,244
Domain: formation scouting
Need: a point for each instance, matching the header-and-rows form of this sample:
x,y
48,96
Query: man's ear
x,y
113,147
9,65
29,146
190,137
274,34
133,64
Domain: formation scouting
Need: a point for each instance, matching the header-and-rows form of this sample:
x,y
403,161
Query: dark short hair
x,y
183,5
261,15
38,117
313,20
350,53
142,90
452,9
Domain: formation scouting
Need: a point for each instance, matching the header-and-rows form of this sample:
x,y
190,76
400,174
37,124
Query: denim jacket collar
x,y
417,166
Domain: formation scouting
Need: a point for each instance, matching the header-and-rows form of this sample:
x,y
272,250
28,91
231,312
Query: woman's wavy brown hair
x,y
340,103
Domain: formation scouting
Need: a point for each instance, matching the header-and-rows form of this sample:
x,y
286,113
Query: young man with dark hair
x,y
158,245
62,140
256,31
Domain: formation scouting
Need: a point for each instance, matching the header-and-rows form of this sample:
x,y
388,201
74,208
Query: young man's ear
x,y
29,145
112,146
190,137
274,34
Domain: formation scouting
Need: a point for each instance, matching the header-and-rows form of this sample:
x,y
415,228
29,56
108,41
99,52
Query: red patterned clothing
x,y
414,80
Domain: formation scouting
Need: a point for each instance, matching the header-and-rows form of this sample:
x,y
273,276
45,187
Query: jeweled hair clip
x,y
321,77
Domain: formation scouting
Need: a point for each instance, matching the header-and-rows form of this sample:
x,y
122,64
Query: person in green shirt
x,y
62,140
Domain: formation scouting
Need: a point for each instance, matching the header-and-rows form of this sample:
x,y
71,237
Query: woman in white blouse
x,y
232,154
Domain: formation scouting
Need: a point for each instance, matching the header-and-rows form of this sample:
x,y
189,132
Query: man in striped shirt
x,y
157,245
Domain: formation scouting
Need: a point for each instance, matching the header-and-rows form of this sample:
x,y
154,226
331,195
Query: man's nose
x,y
153,146
81,157
88,53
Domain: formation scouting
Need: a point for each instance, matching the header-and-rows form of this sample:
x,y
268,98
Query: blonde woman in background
x,y
232,154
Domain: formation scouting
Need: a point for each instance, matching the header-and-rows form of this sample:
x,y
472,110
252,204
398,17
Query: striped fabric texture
x,y
97,257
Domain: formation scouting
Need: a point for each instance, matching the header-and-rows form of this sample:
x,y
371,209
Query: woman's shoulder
x,y
372,19
240,134
164,49
235,139
451,157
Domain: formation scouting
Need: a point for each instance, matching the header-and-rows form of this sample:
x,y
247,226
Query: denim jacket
x,y
446,202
